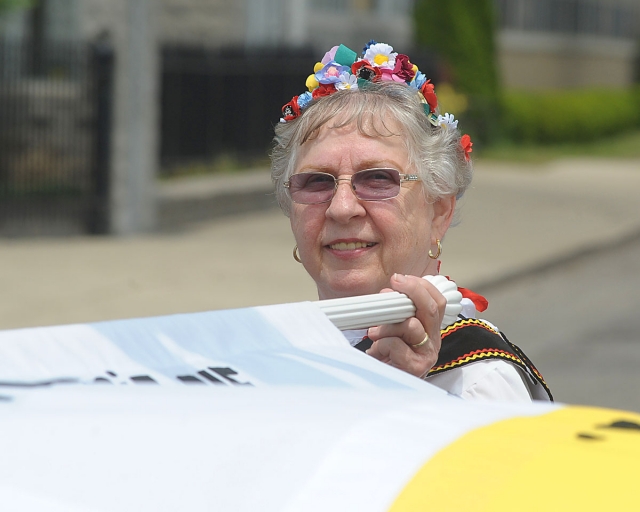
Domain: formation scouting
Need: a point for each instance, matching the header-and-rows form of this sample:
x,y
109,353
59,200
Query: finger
x,y
429,302
411,331
395,352
396,344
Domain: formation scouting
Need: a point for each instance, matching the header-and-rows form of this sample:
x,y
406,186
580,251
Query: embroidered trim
x,y
475,356
512,354
528,364
464,323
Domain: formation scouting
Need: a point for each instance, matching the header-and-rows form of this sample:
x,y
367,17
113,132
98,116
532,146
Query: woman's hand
x,y
396,344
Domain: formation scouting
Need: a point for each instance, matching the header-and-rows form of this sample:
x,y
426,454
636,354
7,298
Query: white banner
x,y
282,345
270,409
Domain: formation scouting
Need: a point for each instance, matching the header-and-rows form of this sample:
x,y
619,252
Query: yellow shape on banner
x,y
575,458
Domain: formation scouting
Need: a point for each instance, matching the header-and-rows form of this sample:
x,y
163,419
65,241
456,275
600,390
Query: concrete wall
x,y
527,59
388,21
530,60
320,23
219,22
549,44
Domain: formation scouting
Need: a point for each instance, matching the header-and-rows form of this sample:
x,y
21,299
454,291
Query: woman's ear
x,y
443,210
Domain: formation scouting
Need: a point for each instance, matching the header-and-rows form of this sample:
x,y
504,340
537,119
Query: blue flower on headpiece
x,y
366,46
330,73
418,80
304,99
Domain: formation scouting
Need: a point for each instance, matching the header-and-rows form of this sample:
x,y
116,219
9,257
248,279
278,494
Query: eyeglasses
x,y
367,185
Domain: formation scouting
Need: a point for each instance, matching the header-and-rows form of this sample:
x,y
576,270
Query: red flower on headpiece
x,y
363,69
403,68
465,142
428,91
291,110
323,90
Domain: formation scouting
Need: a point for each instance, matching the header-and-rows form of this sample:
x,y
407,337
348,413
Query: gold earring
x,y
437,255
296,255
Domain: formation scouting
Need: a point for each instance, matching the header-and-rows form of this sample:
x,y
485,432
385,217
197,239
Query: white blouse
x,y
481,380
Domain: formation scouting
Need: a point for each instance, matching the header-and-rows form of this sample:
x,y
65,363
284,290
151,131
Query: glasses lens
x,y
376,184
311,187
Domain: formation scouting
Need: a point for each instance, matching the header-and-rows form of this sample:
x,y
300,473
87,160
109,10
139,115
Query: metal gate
x,y
54,136
217,100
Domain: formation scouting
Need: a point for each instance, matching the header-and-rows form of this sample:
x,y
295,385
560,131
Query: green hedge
x,y
570,116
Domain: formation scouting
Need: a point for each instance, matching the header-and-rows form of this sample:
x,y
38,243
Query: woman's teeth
x,y
343,246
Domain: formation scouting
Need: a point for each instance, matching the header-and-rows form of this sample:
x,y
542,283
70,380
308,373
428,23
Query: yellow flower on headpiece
x,y
311,83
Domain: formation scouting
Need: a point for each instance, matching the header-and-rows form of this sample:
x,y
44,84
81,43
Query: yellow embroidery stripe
x,y
478,323
539,375
479,354
463,323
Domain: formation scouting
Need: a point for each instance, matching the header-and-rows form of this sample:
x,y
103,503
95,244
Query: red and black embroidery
x,y
469,340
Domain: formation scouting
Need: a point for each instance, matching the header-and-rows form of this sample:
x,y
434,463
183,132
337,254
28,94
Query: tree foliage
x,y
6,5
462,33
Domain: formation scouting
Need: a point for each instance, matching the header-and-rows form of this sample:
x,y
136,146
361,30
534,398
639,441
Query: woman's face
x,y
389,236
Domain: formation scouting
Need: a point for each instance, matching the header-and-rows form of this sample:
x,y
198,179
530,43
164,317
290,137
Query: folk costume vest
x,y
469,340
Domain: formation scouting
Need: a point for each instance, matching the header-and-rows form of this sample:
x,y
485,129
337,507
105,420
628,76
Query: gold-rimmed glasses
x,y
317,187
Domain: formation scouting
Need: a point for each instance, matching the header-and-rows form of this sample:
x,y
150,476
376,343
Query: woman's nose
x,y
344,205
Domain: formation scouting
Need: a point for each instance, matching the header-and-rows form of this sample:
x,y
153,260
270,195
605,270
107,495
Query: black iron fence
x,y
55,110
224,101
54,136
227,101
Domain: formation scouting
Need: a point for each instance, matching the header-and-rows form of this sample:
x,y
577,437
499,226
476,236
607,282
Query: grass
x,y
222,164
620,146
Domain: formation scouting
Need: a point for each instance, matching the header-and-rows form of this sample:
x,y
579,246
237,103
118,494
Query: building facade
x,y
568,43
541,43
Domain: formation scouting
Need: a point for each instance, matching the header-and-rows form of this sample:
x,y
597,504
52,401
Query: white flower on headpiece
x,y
447,120
347,81
381,55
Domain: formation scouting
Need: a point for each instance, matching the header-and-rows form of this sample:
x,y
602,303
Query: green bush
x,y
570,116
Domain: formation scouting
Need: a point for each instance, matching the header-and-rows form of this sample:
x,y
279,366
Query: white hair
x,y
434,152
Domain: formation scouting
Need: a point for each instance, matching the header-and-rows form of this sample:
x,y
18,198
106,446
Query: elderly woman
x,y
369,174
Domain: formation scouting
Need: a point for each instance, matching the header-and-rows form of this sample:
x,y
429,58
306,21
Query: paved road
x,y
580,323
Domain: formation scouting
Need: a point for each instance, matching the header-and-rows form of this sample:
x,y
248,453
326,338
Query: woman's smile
x,y
349,249
349,245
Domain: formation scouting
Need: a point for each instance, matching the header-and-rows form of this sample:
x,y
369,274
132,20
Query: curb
x,y
179,214
204,198
574,256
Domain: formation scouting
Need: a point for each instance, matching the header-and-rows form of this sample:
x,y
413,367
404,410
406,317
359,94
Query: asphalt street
x,y
580,323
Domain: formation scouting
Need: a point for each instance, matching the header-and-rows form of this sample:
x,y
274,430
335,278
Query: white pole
x,y
133,202
297,26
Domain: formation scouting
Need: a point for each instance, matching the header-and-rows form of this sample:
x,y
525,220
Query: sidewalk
x,y
514,220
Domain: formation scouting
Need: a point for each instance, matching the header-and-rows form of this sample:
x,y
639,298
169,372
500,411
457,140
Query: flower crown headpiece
x,y
342,69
